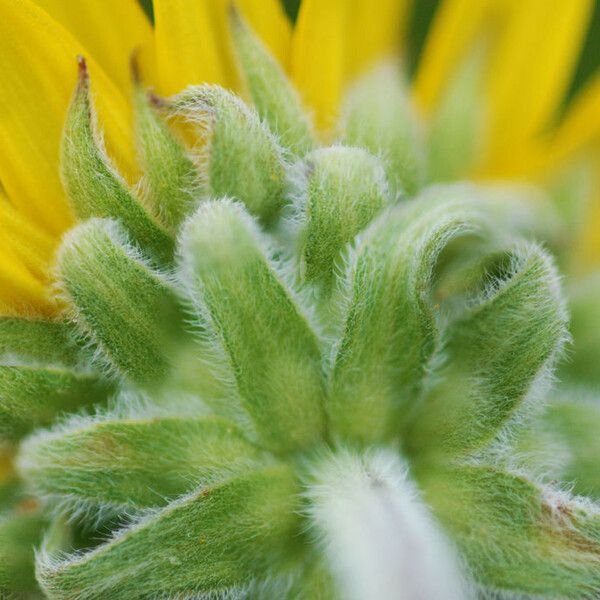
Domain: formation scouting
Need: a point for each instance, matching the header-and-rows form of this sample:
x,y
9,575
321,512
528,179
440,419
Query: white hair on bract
x,y
377,534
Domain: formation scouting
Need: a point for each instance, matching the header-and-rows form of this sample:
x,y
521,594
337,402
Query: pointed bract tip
x,y
156,100
134,66
83,76
82,68
235,17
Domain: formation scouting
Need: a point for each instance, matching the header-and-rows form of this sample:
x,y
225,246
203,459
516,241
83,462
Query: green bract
x,y
309,379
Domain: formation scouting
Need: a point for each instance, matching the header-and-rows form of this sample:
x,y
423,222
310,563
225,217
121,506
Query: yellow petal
x,y
20,292
111,30
187,45
452,33
532,67
26,256
193,43
532,48
587,248
374,32
38,66
581,124
333,41
32,246
317,62
269,21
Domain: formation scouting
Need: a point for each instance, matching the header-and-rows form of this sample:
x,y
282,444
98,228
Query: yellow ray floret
x,y
581,126
193,45
26,255
530,70
33,247
531,47
452,33
318,56
333,41
187,48
20,291
37,58
110,30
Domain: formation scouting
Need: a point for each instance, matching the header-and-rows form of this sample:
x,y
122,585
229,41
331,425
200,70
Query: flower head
x,y
331,44
298,368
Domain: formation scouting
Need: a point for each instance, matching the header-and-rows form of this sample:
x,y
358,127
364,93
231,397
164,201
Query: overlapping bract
x,y
315,304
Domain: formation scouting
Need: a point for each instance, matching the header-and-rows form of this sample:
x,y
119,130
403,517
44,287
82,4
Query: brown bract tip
x,y
82,64
82,71
156,100
134,66
235,17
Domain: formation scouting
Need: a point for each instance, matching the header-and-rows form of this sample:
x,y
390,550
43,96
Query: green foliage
x,y
92,183
172,183
456,127
213,539
341,190
322,387
390,331
498,353
36,341
128,464
563,443
582,366
125,309
10,486
33,396
40,377
244,160
575,425
20,531
291,7
378,116
275,99
270,347
518,536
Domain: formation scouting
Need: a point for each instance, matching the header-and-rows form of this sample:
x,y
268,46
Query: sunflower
x,y
525,53
256,341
